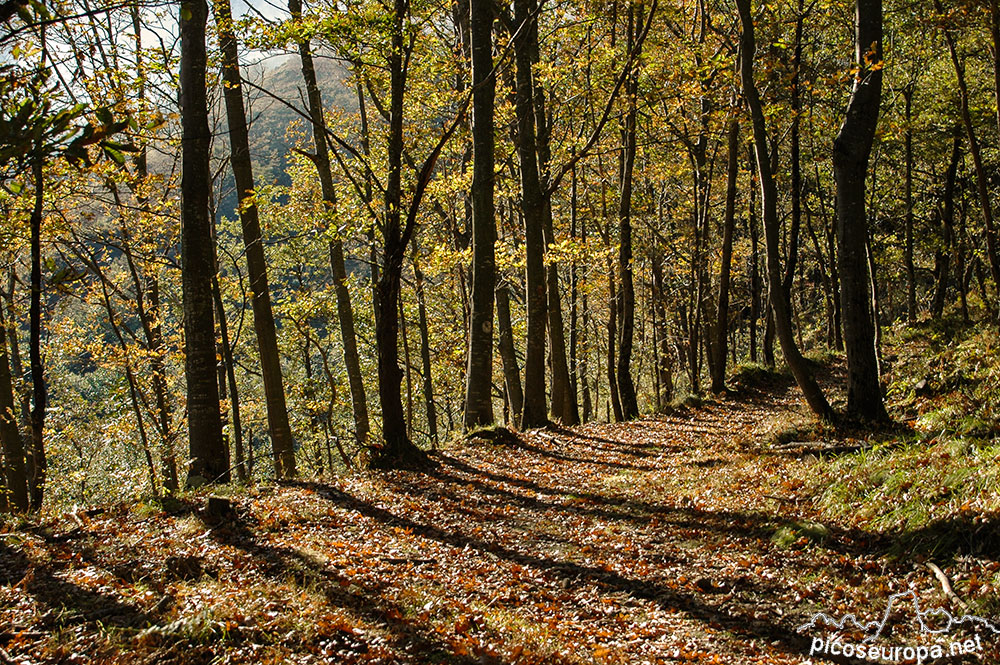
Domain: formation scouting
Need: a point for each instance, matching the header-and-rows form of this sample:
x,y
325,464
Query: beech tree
x,y
851,150
479,383
209,456
769,194
263,317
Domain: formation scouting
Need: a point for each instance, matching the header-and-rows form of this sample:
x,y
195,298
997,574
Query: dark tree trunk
x,y
851,150
663,370
911,278
150,315
783,324
227,373
755,286
947,214
564,406
729,222
479,379
626,293
15,473
425,348
209,457
37,463
583,364
263,317
345,311
612,330
505,342
574,293
534,412
796,184
982,178
397,450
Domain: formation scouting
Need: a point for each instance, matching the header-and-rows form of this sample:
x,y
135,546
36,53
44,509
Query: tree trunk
x,y
982,178
626,294
729,222
851,150
783,324
228,374
664,376
534,413
479,379
796,184
911,278
574,293
209,458
263,316
150,315
37,461
397,450
505,342
755,286
345,311
943,256
612,330
10,435
425,348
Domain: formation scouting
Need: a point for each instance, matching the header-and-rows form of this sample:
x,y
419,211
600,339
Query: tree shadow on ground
x,y
65,603
734,620
283,564
751,524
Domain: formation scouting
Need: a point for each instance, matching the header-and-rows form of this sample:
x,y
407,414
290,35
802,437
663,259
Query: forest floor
x,y
682,538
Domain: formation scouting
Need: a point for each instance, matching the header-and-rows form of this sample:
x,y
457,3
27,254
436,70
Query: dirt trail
x,y
644,542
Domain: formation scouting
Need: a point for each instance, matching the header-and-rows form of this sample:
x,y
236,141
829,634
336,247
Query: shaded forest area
x,y
680,316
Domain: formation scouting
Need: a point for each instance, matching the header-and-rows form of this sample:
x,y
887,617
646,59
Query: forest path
x,y
643,542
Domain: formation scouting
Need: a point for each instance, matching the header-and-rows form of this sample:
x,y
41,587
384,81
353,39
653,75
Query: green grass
x,y
934,489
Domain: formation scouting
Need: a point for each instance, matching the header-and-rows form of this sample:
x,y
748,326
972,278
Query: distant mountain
x,y
270,119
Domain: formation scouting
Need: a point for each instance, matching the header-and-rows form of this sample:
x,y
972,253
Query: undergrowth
x,y
935,491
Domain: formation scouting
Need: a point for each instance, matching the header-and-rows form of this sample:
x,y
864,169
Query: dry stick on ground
x,y
946,585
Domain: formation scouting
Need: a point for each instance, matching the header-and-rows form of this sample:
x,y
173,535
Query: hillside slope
x,y
680,539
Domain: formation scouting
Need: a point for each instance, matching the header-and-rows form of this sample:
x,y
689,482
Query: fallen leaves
x,y
646,542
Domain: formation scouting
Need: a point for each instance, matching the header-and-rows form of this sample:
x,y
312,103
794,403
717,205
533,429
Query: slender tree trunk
x,y
729,222
425,348
612,330
911,278
583,364
150,315
796,184
228,374
10,435
982,178
209,458
479,378
397,450
663,370
755,286
534,413
574,317
345,311
626,294
263,316
407,368
505,342
943,257
37,461
851,150
783,324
